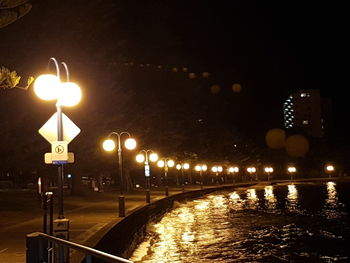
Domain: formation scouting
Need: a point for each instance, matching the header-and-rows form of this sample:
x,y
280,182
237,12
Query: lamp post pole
x,y
121,198
145,159
166,168
60,138
166,163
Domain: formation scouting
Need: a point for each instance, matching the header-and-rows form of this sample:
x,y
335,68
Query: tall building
x,y
306,111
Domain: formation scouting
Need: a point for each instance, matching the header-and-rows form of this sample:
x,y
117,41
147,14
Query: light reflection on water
x,y
239,227
270,198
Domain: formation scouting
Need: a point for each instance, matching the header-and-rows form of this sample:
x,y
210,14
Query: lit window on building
x,y
305,122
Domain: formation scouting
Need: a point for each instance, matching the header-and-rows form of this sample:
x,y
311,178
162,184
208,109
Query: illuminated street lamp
x,y
109,145
268,170
201,168
329,169
50,87
166,163
217,170
181,167
291,170
251,170
143,157
233,170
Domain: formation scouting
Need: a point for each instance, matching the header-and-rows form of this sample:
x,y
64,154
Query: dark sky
x,y
271,49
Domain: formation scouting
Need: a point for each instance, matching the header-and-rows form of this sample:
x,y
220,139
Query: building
x,y
305,111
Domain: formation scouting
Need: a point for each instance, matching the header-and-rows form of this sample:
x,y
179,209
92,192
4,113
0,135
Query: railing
x,y
40,248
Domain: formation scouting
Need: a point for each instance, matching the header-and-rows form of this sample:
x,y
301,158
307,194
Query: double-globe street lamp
x,y
143,157
233,170
268,170
109,145
252,170
291,170
217,170
181,167
50,87
166,163
201,168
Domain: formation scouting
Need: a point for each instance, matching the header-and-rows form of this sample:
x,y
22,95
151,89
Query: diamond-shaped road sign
x,y
49,130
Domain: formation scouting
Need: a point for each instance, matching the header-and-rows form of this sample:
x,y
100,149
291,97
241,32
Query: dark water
x,y
280,223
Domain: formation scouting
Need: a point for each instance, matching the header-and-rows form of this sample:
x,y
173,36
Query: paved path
x,y
90,218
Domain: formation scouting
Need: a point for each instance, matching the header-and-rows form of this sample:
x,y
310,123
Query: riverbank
x,y
93,218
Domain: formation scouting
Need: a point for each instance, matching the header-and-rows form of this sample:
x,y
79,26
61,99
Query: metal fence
x,y
43,248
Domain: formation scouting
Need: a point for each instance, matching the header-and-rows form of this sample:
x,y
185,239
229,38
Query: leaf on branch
x,y
10,79
13,79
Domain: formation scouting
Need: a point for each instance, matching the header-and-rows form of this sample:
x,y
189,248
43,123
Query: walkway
x,y
90,218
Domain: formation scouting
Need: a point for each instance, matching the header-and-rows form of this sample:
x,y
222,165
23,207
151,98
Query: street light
x,y
166,163
217,170
50,87
251,170
109,145
268,170
200,169
143,158
329,169
233,170
291,170
182,167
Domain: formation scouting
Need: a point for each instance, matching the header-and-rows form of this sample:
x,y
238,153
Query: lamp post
x,y
268,170
217,170
143,158
291,170
50,87
251,170
166,163
181,167
233,170
200,169
109,145
329,169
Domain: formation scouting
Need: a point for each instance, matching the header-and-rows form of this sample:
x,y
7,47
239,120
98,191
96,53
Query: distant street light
x,y
217,170
268,171
50,87
181,167
251,170
233,170
109,145
143,157
166,163
201,168
291,170
329,169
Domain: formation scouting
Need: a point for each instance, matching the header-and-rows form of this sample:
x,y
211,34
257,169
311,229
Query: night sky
x,y
123,54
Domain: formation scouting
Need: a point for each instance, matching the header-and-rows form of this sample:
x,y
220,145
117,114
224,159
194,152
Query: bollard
x,y
36,249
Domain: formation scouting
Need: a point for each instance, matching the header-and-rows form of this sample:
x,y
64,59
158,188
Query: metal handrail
x,y
84,249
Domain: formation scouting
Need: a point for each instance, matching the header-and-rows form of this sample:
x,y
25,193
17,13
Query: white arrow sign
x,y
49,129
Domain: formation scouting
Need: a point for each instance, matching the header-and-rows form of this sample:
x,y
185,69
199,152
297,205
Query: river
x,y
299,222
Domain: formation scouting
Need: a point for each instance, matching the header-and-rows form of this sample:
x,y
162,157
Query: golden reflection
x,y
292,202
252,199
217,201
332,198
234,196
202,205
187,237
236,201
331,208
270,198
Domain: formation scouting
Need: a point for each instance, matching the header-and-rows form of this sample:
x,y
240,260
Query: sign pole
x,y
60,166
